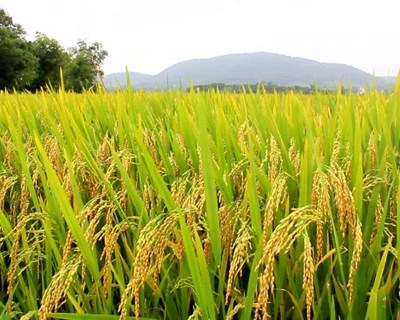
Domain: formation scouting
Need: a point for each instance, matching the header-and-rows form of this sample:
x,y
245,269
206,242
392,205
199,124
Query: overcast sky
x,y
148,36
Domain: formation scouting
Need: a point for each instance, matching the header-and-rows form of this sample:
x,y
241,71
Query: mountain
x,y
251,68
116,80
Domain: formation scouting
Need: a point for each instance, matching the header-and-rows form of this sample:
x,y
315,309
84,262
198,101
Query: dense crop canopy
x,y
199,205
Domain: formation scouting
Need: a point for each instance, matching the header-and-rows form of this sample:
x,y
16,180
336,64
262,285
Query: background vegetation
x,y
32,65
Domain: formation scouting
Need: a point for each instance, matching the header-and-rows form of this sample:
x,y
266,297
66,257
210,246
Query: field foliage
x,y
193,205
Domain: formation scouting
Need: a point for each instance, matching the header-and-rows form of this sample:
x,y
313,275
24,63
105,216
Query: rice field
x,y
212,205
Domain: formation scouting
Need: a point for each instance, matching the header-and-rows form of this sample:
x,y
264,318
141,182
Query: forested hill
x,y
251,68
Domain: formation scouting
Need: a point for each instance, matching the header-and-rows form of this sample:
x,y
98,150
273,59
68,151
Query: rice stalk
x,y
308,274
55,293
282,239
152,242
240,255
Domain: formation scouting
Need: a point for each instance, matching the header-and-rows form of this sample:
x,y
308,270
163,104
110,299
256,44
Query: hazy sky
x,y
148,36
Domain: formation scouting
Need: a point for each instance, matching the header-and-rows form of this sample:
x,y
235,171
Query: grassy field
x,y
199,206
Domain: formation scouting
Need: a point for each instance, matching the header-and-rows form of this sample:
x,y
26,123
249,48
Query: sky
x,y
150,35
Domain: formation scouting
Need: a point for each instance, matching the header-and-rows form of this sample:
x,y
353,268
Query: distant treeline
x,y
268,88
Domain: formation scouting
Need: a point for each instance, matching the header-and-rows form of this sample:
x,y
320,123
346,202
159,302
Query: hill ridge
x,y
251,68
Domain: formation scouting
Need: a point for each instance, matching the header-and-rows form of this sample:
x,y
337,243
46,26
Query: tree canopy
x,y
84,66
33,65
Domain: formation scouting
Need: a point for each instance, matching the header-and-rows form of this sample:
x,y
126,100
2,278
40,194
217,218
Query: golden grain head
x,y
12,268
15,235
295,157
337,147
56,291
24,197
308,275
276,197
241,137
320,240
196,314
178,191
151,144
227,224
344,199
377,219
67,247
372,149
152,242
104,150
232,313
237,175
355,259
275,160
320,198
7,184
10,156
110,242
241,249
282,239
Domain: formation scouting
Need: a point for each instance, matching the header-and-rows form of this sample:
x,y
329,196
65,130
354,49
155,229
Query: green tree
x,y
51,59
33,65
17,62
84,68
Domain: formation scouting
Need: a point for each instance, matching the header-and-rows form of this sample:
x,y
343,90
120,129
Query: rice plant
x,y
186,205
